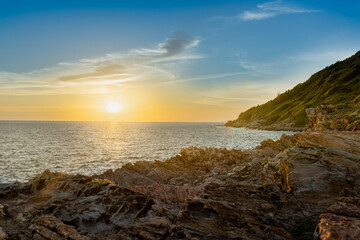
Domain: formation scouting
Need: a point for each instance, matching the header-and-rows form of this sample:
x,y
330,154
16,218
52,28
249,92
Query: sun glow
x,y
113,107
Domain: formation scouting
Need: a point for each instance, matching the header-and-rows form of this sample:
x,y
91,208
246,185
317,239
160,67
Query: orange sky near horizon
x,y
85,107
170,61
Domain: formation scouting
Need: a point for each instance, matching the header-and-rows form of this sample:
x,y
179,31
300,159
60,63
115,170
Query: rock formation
x,y
325,117
278,190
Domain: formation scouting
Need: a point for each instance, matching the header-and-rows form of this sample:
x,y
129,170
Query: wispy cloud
x,y
266,10
98,74
205,77
271,9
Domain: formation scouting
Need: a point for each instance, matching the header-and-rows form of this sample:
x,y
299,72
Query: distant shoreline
x,y
5,120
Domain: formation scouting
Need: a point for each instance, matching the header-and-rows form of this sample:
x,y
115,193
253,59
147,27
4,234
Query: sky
x,y
163,61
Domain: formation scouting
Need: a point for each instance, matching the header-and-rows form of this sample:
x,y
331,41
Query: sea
x,y
29,147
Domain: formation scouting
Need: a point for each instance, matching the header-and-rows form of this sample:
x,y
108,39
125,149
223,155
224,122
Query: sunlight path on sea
x,y
28,148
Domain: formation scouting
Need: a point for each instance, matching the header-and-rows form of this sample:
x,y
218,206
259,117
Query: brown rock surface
x,y
325,117
318,167
209,193
333,226
342,219
49,227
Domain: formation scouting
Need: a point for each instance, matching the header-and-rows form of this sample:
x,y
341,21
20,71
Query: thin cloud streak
x,y
113,69
271,9
204,77
265,11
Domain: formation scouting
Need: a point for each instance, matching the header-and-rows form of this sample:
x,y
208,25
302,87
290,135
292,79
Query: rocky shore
x,y
303,186
286,125
324,117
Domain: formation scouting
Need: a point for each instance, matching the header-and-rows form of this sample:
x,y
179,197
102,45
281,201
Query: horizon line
x,y
12,120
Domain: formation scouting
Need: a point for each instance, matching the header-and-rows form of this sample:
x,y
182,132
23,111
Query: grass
x,y
336,84
102,181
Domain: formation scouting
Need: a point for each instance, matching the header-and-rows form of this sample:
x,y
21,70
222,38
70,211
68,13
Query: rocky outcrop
x,y
190,167
333,226
49,227
74,205
326,117
278,190
318,167
342,219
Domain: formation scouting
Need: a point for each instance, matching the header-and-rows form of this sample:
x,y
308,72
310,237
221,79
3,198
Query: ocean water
x,y
28,148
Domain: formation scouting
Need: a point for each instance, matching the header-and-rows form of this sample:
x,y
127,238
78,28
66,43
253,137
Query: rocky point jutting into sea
x,y
302,186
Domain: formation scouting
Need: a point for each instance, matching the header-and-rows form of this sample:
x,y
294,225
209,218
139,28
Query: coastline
x,y
180,120
269,128
275,190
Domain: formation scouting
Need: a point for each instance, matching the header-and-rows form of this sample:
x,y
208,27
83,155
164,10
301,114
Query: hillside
x,y
336,84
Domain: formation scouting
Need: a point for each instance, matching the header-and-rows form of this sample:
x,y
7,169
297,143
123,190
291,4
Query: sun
x,y
113,107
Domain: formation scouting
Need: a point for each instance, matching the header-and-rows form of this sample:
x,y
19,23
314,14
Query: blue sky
x,y
230,54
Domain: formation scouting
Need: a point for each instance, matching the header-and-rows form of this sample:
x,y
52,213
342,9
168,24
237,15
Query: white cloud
x,y
113,69
249,15
271,9
265,11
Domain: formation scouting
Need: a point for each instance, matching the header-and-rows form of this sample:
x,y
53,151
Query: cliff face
x,y
279,190
336,84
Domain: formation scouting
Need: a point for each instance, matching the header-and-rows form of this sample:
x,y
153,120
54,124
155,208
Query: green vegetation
x,y
336,84
102,181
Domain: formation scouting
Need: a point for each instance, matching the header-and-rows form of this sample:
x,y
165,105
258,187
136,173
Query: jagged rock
x,y
203,193
322,118
342,219
231,210
346,206
50,227
169,193
146,228
317,168
90,206
189,167
333,226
